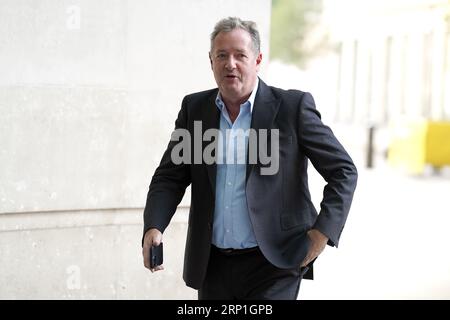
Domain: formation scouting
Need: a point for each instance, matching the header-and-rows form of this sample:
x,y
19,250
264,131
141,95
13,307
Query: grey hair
x,y
231,23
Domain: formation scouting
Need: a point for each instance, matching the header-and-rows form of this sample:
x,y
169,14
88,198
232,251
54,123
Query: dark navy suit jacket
x,y
279,205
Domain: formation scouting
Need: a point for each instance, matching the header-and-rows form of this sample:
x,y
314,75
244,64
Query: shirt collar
x,y
220,104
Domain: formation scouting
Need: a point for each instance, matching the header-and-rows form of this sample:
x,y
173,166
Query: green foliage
x,y
291,22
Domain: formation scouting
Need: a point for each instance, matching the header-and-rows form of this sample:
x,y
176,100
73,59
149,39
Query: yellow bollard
x,y
415,144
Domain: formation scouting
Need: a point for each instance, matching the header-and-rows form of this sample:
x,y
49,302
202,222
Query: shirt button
x,y
226,207
228,230
229,183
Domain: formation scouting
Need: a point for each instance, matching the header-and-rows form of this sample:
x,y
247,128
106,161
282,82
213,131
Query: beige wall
x,y
89,91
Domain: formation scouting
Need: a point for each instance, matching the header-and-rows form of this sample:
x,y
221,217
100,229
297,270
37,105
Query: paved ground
x,y
395,244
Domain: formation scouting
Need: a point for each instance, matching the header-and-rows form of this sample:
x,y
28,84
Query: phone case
x,y
156,255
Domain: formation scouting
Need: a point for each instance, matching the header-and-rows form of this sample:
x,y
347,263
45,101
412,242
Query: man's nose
x,y
231,63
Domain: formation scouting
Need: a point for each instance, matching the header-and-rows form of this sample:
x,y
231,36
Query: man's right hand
x,y
151,237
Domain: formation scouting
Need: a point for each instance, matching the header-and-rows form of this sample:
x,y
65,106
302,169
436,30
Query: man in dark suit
x,y
253,231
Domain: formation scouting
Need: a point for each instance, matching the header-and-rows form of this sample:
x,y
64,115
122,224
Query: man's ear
x,y
258,61
210,60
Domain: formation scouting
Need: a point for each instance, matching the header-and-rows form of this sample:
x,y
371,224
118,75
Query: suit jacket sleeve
x,y
331,160
168,184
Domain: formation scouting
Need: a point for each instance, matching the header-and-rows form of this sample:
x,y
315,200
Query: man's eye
x,y
221,56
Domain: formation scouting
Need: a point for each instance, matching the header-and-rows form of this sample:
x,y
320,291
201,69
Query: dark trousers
x,y
248,275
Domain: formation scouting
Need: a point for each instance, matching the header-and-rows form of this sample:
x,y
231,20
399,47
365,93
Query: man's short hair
x,y
231,23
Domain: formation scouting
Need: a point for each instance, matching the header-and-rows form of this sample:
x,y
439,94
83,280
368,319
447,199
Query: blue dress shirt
x,y
232,227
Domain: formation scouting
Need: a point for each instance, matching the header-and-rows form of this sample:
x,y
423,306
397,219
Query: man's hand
x,y
318,243
151,237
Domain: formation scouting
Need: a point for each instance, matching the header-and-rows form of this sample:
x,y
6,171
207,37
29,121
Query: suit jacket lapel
x,y
210,119
265,109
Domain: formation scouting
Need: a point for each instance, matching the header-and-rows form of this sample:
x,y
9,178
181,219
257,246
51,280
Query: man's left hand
x,y
318,244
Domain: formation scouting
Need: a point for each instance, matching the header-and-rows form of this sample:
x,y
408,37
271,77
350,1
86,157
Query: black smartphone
x,y
156,255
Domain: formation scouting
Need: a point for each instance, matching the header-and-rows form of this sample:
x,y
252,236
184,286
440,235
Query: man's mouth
x,y
231,76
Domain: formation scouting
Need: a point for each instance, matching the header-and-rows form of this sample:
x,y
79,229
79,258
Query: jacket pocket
x,y
285,139
289,221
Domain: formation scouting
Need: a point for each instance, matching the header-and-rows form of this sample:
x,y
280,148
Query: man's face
x,y
235,64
